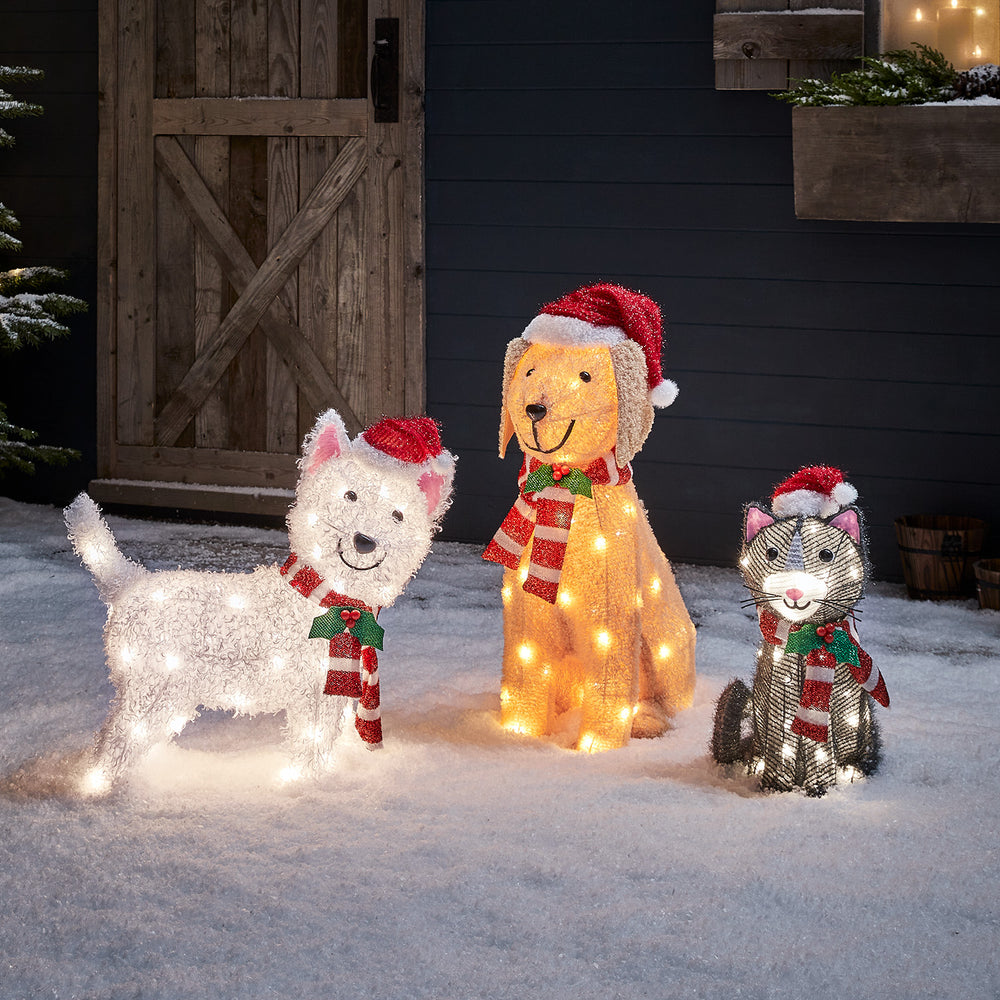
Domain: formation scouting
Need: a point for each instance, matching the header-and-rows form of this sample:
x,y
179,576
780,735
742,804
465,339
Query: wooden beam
x,y
230,499
286,116
788,35
261,289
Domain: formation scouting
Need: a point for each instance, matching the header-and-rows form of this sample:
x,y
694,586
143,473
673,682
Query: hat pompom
x,y
664,394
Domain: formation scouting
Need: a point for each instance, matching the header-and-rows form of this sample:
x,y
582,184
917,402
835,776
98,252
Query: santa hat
x,y
602,315
408,440
814,491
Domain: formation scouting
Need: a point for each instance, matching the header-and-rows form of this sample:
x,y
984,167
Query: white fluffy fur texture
x,y
180,640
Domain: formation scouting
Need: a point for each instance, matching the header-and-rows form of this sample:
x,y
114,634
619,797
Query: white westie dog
x,y
361,526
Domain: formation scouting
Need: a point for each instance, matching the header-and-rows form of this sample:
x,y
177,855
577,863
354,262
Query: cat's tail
x,y
94,543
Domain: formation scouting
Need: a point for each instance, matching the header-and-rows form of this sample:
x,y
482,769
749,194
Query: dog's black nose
x,y
364,544
536,411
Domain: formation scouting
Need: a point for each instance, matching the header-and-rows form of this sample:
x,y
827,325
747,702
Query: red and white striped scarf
x,y
545,517
812,718
354,670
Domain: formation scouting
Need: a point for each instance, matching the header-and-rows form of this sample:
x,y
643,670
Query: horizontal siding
x,y
568,143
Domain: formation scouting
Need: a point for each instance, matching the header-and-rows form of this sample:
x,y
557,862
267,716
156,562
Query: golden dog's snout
x,y
535,411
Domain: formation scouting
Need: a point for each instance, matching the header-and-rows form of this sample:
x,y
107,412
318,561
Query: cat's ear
x,y
847,520
756,519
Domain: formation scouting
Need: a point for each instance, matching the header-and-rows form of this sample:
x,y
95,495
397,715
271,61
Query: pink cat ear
x,y
756,519
848,521
431,483
328,439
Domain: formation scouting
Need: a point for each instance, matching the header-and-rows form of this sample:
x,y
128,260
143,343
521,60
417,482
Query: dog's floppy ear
x,y
515,351
635,412
328,439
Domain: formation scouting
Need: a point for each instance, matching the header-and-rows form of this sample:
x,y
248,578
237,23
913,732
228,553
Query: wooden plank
x,y
175,49
136,319
248,76
788,35
230,500
412,193
107,235
175,336
221,466
263,287
259,116
282,203
874,163
211,158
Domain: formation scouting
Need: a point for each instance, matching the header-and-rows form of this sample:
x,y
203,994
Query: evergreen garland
x,y
898,77
29,312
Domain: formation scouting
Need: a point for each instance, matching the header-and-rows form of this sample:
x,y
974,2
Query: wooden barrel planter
x,y
988,583
938,552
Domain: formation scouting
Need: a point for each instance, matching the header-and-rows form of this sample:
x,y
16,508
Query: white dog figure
x,y
361,526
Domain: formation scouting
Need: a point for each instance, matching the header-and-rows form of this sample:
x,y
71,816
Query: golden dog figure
x,y
593,619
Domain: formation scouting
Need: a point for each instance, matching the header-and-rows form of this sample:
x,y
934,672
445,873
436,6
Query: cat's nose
x,y
364,544
793,593
536,411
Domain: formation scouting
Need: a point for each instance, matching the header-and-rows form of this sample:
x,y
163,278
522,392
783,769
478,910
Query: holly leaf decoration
x,y
575,481
805,639
366,629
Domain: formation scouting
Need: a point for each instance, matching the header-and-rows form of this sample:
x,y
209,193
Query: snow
x,y
462,862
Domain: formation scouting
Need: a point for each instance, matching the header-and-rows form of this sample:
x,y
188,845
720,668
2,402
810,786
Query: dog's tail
x,y
94,543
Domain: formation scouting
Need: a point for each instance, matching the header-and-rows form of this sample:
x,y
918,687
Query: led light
x,y
852,720
506,592
663,652
317,552
236,601
278,663
159,596
312,519
600,543
787,752
603,639
524,651
172,662
95,781
654,585
626,713
522,574
565,598
289,774
178,723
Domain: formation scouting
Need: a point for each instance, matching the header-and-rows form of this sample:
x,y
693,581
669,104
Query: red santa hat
x,y
409,440
602,315
814,491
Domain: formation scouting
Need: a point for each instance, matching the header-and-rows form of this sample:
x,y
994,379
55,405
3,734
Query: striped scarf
x,y
353,671
543,512
824,646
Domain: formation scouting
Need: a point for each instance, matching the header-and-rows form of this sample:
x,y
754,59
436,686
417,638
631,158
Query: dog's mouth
x,y
538,444
349,552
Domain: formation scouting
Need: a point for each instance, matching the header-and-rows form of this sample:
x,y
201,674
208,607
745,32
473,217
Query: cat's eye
x,y
351,495
825,555
584,376
398,515
772,553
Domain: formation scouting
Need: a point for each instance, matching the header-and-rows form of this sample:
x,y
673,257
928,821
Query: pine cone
x,y
980,81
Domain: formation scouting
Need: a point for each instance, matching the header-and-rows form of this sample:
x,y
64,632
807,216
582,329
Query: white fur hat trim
x,y
568,330
809,503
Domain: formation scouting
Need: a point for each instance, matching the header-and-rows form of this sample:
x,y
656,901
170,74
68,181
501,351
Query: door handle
x,y
385,70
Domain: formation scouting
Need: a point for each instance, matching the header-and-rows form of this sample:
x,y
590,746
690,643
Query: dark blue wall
x,y
569,142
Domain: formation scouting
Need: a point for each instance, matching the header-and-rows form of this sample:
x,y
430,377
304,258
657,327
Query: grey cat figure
x,y
809,716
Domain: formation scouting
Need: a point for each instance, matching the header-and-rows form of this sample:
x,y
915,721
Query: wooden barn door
x,y
261,238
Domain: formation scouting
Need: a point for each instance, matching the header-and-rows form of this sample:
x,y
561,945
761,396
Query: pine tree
x,y
29,313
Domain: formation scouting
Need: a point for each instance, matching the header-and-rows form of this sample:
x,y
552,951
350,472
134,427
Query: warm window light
x,y
967,32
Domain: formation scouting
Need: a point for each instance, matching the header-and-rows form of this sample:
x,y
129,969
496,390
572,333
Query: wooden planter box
x,y
901,164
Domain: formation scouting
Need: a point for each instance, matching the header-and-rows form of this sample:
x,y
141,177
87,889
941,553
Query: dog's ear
x,y
436,484
328,439
635,412
515,351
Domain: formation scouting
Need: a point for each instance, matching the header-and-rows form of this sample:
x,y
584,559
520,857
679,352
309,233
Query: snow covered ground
x,y
462,862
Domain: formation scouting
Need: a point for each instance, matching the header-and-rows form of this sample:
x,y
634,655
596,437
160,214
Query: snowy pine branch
x,y
899,77
17,452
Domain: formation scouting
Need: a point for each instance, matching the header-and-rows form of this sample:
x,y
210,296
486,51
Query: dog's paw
x,y
651,720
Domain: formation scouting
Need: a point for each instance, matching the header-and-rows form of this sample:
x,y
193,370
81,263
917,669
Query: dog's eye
x,y
825,555
351,495
584,376
528,372
398,515
772,553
